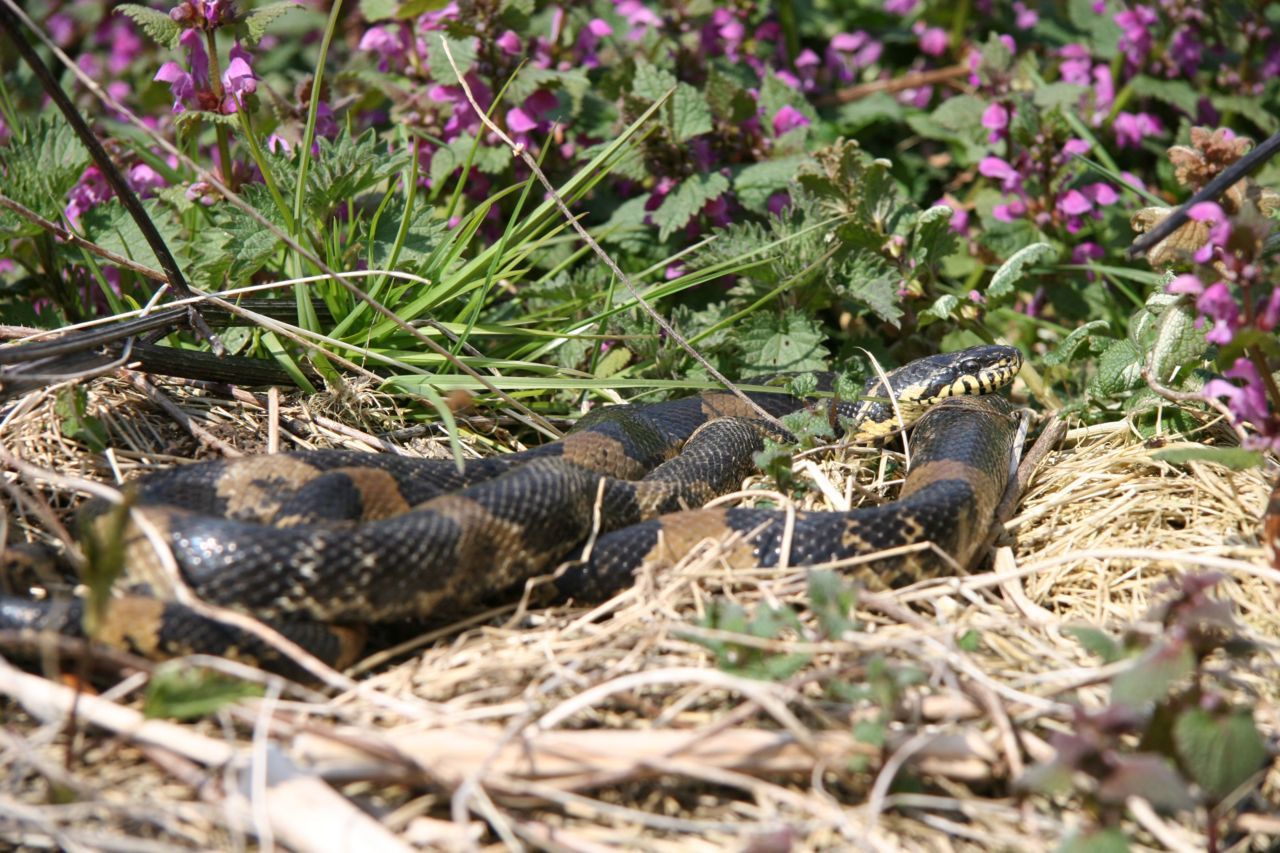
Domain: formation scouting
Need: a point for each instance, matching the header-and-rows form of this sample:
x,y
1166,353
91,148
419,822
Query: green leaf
x,y
933,240
960,114
75,422
158,26
1097,641
1235,458
1119,369
1012,270
259,19
686,200
424,235
940,309
651,82
464,54
1148,776
832,600
111,227
1221,751
792,342
730,102
186,693
1153,673
1179,94
378,10
754,184
39,173
1062,353
1064,95
1095,841
690,115
879,293
344,167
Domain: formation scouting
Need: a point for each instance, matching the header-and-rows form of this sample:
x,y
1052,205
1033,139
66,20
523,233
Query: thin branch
x,y
1225,179
76,240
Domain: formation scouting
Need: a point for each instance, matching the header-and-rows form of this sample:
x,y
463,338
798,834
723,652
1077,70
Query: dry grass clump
x,y
617,727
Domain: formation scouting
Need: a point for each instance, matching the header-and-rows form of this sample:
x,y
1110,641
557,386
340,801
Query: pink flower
x,y
933,40
1137,25
1014,209
390,44
1073,203
1217,304
1132,128
508,43
900,7
788,118
1186,283
1219,231
848,53
996,119
997,169
1247,403
1024,18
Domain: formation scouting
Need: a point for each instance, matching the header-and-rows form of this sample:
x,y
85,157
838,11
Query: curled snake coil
x,y
319,544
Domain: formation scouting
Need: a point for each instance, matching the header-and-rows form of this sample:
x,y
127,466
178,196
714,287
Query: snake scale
x,y
319,544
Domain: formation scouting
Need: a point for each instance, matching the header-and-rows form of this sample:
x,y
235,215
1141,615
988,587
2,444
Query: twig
x,y
529,161
76,240
1224,180
894,84
184,420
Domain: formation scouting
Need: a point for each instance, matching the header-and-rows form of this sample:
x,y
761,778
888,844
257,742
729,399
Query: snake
x,y
321,544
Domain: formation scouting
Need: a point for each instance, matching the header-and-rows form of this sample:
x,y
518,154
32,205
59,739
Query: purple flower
x,y
900,7
531,115
996,119
187,86
1186,283
1184,53
1136,25
1217,304
997,169
1269,316
1073,203
781,200
238,80
848,53
1075,147
1247,403
788,118
1024,18
639,16
1219,231
1014,209
391,45
1132,128
933,40
508,43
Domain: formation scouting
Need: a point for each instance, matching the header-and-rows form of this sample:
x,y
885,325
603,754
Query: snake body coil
x,y
310,542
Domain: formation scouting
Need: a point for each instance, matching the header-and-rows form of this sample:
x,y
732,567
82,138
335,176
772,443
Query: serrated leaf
x,y
189,121
1095,841
933,240
832,600
651,82
1153,673
111,227
464,54
75,422
257,21
40,173
1065,95
1220,751
185,693
158,26
1235,458
686,200
1062,353
1179,94
880,294
1148,776
792,342
1012,270
730,102
378,10
1097,642
960,114
941,308
1178,342
690,115
613,361
421,239
1119,369
754,184
238,246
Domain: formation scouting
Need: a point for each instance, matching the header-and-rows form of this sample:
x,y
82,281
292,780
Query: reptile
x,y
320,544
